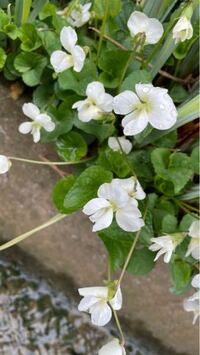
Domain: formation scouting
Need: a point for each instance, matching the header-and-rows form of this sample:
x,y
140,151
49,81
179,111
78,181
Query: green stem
x,y
193,208
23,236
102,29
119,327
50,162
185,209
125,158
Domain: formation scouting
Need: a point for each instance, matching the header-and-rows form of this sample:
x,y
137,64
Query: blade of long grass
x,y
187,112
37,7
22,11
192,194
159,9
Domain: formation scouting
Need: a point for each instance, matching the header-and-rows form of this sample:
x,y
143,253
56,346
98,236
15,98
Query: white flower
x,y
182,30
166,245
40,120
112,348
112,198
97,302
132,187
125,144
96,105
149,105
80,15
194,246
5,164
75,56
140,23
192,304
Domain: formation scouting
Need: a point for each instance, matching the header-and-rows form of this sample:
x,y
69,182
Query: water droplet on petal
x,y
162,106
145,89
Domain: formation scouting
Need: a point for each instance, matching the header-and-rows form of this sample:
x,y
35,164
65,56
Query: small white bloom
x,y
140,23
166,245
98,103
5,164
194,246
80,15
112,198
112,348
126,145
97,302
75,56
40,120
149,105
182,30
132,187
192,304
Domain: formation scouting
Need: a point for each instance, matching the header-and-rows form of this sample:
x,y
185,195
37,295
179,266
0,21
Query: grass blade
x,y
22,11
37,7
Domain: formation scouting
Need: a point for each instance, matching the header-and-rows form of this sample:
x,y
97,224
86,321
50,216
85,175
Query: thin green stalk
x,y
51,162
23,236
102,29
125,158
193,208
119,327
185,209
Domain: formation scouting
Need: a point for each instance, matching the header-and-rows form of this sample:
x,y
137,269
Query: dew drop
x,y
162,106
145,90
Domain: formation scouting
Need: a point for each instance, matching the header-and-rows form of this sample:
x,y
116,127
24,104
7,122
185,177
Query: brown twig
x,y
185,81
54,167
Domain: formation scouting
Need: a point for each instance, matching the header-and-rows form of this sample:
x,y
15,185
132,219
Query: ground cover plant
x,y
114,87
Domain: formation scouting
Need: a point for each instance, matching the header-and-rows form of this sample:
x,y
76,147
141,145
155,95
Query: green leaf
x,y
195,160
99,7
141,262
178,93
43,95
100,129
169,224
168,141
60,190
47,11
3,57
138,76
50,41
71,146
112,69
175,168
186,222
70,80
29,37
141,162
6,26
37,7
114,161
180,272
85,187
22,11
31,65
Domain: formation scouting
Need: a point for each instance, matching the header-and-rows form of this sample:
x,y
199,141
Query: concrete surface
x,y
70,248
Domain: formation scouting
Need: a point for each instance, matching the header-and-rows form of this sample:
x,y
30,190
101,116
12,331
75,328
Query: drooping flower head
x,y
39,120
75,55
97,104
119,143
140,23
114,199
183,30
5,164
166,245
79,16
132,187
112,348
98,302
192,304
148,105
194,246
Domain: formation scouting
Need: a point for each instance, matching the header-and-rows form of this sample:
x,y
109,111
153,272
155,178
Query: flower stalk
x,y
40,162
102,29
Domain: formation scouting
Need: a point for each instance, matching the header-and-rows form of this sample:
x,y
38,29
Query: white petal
x,y
194,230
125,102
94,205
100,314
5,164
86,7
135,123
78,55
107,105
112,348
25,127
46,122
143,90
61,61
113,193
68,38
182,30
196,281
36,134
101,291
194,248
104,221
167,256
126,145
137,23
30,110
116,301
128,218
86,303
154,31
95,91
